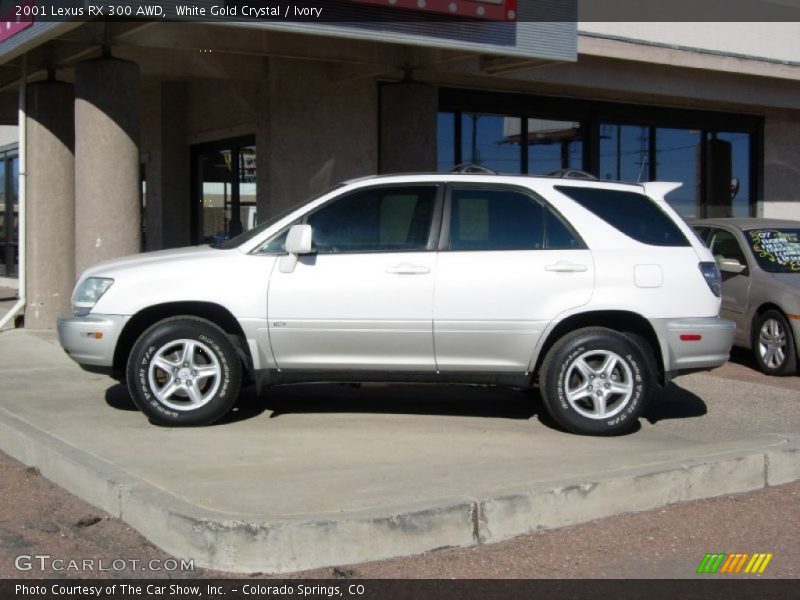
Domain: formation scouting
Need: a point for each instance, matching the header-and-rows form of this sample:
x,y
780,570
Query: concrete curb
x,y
248,543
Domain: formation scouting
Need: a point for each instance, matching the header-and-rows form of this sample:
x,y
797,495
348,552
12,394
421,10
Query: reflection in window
x,y
624,152
740,172
678,159
247,187
491,141
632,152
553,145
446,146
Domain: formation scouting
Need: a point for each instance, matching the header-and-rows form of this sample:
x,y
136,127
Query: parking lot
x,y
370,472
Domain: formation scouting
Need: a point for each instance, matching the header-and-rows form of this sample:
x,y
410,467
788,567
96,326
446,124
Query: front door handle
x,y
406,269
564,266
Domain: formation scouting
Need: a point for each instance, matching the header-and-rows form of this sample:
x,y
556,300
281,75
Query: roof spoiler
x,y
659,189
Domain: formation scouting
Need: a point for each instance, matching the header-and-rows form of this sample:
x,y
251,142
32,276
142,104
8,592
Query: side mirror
x,y
730,265
298,241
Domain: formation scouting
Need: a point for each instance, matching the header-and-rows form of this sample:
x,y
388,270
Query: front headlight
x,y
88,293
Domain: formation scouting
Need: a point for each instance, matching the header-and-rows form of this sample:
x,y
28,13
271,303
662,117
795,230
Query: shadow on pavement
x,y
743,357
446,400
675,402
117,396
451,400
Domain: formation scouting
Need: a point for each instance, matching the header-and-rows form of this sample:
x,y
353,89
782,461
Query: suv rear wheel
x,y
184,371
596,381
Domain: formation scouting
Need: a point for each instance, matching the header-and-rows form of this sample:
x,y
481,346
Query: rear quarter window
x,y
635,215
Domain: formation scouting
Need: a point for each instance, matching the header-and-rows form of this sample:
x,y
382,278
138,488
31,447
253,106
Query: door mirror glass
x,y
730,265
298,240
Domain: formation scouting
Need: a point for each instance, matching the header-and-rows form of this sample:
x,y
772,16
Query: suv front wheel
x,y
184,371
596,381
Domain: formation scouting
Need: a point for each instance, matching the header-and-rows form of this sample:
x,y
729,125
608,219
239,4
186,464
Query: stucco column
x,y
107,187
408,127
50,202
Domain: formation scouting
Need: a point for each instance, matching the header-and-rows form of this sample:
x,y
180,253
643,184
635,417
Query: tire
x,y
773,344
184,371
581,360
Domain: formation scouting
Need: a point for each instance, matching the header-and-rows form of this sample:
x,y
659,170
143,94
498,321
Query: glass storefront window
x,y
446,146
639,150
491,141
678,158
9,214
247,187
624,152
225,176
740,172
553,145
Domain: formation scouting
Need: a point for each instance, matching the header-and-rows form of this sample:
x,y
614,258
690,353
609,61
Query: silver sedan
x,y
760,264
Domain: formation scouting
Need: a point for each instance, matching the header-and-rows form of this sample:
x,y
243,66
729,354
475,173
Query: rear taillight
x,y
711,274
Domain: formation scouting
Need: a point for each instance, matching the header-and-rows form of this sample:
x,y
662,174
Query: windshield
x,y
776,250
255,231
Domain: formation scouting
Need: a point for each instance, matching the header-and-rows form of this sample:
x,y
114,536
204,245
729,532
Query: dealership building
x,y
145,135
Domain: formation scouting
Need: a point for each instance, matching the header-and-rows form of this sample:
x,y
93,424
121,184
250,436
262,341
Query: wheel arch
x,y
215,313
619,320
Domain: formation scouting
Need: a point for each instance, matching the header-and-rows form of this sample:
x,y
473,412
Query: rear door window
x,y
504,219
633,214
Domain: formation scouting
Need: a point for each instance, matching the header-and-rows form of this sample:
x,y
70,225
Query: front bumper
x,y
711,350
91,340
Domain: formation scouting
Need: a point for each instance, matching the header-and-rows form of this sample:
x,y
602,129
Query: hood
x,y
789,279
109,267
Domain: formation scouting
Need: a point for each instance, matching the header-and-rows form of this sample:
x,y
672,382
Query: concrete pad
x,y
321,475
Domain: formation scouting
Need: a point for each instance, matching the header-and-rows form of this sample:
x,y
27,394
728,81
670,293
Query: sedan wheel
x,y
773,344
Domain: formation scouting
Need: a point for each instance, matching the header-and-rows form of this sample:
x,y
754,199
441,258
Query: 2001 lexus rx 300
x,y
597,292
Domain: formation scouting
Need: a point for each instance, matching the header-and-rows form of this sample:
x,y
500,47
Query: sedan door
x,y
508,266
364,299
735,286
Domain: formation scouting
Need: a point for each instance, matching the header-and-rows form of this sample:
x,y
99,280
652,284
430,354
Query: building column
x,y
408,127
50,202
107,180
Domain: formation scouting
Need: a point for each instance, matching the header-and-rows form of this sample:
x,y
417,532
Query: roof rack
x,y
571,174
473,168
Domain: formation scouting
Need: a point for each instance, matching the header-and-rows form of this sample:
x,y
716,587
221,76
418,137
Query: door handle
x,y
406,269
563,266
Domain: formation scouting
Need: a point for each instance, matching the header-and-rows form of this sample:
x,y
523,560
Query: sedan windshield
x,y
776,250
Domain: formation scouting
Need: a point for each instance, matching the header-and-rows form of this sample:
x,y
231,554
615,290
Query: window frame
x,y
444,236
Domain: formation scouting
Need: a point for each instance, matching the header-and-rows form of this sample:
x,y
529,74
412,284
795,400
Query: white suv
x,y
597,292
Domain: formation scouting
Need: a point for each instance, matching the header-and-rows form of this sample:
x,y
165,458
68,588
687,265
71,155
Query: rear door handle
x,y
566,267
406,269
